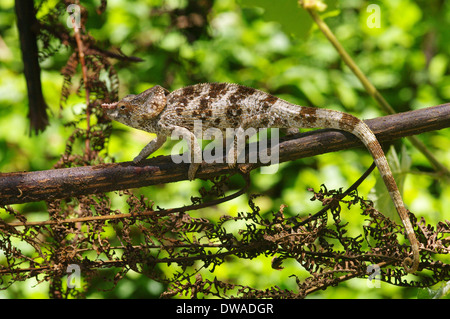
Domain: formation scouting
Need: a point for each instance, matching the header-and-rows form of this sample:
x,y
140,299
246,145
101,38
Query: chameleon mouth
x,y
109,106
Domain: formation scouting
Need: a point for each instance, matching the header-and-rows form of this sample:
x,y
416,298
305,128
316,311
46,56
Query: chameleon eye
x,y
122,107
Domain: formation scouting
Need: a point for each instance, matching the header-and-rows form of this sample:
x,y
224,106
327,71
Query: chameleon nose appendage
x,y
109,106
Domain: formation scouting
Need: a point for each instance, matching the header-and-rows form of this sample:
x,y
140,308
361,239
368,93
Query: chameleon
x,y
228,105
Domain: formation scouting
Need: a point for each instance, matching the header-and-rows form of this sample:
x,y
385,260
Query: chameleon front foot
x,y
232,165
137,159
193,168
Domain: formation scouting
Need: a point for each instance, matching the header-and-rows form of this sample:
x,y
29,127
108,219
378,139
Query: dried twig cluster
x,y
148,237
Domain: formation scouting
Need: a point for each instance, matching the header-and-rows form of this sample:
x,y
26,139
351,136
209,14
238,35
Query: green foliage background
x,y
407,59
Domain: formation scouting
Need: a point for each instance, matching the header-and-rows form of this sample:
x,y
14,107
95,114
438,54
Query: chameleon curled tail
x,y
315,117
411,265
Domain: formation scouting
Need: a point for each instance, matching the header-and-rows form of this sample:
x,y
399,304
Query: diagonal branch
x,y
23,187
371,89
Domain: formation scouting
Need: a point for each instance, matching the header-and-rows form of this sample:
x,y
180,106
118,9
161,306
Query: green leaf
x,y
379,194
440,293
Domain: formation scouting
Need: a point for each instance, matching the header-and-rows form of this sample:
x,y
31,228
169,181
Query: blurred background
x,y
276,48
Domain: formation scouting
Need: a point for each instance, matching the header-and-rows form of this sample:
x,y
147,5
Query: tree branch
x,y
27,25
23,187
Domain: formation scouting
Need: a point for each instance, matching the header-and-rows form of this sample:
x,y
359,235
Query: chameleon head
x,y
121,111
132,109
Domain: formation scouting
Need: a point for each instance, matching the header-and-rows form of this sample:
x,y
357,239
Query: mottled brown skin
x,y
226,105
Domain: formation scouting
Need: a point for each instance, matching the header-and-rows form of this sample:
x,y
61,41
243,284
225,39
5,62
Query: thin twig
x,y
86,86
336,199
371,89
